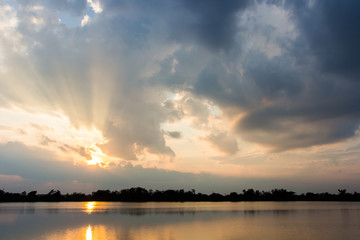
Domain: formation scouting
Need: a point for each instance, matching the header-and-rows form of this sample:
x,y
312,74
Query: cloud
x,y
317,104
92,80
149,139
282,129
82,151
197,109
40,127
85,20
174,134
331,31
44,140
257,62
212,23
285,101
223,142
96,6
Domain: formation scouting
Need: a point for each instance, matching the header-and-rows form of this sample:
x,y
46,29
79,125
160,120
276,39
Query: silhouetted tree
x,y
250,194
342,192
216,197
282,195
31,196
141,194
233,196
137,194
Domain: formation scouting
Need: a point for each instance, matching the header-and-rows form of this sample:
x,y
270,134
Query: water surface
x,y
172,221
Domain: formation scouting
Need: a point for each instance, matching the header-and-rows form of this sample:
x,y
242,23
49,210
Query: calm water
x,y
171,221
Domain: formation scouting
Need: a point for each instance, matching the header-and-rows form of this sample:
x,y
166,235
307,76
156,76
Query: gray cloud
x,y
284,129
275,78
320,105
210,23
129,139
174,134
76,149
298,109
44,140
268,79
172,111
224,87
196,108
299,106
287,101
331,29
213,23
223,142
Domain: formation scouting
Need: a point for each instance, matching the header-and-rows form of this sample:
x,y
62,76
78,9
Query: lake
x,y
172,221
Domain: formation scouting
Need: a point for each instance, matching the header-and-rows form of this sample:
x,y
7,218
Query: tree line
x,y
139,194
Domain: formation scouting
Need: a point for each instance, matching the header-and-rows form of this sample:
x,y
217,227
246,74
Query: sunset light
x,y
96,156
89,207
179,93
95,161
154,104
89,233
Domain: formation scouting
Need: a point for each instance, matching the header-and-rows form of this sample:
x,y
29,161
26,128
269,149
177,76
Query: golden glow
x,y
89,233
89,207
96,156
95,160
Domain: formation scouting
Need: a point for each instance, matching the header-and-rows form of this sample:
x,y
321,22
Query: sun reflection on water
x,y
88,233
89,207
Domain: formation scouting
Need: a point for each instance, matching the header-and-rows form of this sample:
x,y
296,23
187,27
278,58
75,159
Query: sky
x,y
216,96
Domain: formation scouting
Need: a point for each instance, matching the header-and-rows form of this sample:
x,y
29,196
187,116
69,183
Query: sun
x,y
96,156
95,160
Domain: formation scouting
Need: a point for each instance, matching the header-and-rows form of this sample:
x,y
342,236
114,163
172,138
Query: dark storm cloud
x,y
263,79
215,83
298,107
212,22
332,31
282,129
305,113
274,77
287,101
326,110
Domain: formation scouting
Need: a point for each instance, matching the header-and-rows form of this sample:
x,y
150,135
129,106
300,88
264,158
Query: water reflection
x,y
89,207
178,221
89,233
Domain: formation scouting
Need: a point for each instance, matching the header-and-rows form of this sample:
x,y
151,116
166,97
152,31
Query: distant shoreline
x,y
139,194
